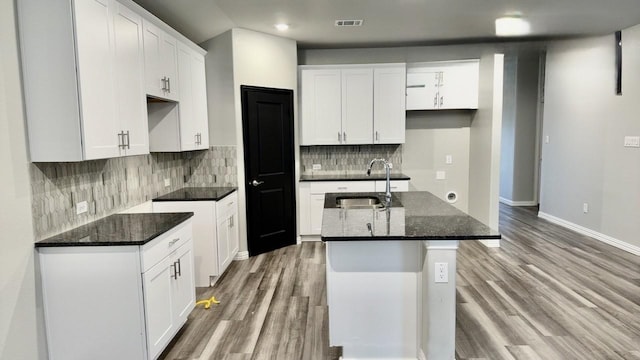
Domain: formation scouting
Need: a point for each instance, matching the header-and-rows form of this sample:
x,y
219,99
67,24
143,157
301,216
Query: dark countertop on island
x,y
197,194
353,177
118,230
415,215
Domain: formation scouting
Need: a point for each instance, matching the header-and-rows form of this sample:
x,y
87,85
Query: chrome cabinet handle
x,y
179,268
441,100
256,183
344,136
339,137
120,139
415,86
232,221
169,85
128,142
342,188
377,136
164,83
172,242
435,100
175,273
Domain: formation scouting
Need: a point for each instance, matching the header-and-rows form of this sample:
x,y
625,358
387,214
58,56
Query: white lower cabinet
x,y
117,302
312,198
215,239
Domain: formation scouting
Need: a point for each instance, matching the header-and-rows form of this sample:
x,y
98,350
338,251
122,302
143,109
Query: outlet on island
x,y
442,272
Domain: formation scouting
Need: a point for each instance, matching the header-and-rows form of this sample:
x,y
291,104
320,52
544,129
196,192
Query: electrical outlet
x,y
585,208
441,175
317,167
82,207
449,159
167,182
442,273
632,141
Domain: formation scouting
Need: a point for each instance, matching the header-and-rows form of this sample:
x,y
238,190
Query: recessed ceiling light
x,y
282,27
512,26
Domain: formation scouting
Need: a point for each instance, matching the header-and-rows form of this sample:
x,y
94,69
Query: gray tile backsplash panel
x,y
346,159
112,185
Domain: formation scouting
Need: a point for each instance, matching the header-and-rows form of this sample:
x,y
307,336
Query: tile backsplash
x,y
345,159
112,185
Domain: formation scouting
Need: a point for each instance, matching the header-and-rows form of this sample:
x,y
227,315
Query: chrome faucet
x,y
387,168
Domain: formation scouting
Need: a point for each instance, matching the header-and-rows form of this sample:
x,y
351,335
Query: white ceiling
x,y
392,22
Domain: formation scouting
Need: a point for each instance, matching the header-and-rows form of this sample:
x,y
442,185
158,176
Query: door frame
x,y
246,161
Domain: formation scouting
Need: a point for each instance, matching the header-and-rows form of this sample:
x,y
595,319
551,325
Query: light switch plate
x,y
167,182
632,141
317,167
441,175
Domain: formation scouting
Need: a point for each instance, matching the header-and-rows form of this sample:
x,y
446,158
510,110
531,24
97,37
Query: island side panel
x,y
438,302
373,298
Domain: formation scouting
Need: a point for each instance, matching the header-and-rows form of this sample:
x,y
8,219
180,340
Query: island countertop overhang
x,y
415,215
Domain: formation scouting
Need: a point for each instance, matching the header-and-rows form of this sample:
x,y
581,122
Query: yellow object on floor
x,y
207,302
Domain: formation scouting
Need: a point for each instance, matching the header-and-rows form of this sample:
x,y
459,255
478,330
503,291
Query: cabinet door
x,y
95,78
188,138
389,105
200,113
316,207
459,86
129,81
224,248
154,83
321,107
169,66
183,288
396,186
158,287
357,106
234,238
422,90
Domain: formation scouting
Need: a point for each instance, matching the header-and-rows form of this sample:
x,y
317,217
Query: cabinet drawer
x,y
396,185
322,187
228,205
157,249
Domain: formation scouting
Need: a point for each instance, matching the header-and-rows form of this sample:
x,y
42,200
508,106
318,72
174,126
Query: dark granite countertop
x,y
197,194
415,215
118,230
353,177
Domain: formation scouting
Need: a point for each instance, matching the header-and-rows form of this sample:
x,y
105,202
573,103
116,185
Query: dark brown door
x,y
267,119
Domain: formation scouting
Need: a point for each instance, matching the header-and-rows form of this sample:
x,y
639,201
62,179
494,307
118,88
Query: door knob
x,y
256,182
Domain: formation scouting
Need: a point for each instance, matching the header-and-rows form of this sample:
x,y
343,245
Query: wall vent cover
x,y
349,23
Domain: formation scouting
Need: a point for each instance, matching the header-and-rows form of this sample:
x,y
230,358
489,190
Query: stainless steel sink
x,y
359,202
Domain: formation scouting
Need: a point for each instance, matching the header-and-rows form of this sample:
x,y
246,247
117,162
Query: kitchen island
x,y
391,273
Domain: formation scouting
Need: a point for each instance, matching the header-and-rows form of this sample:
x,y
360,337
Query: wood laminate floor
x,y
547,293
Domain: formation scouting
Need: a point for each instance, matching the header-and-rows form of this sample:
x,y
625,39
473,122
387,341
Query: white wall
x,y
220,90
484,160
255,59
585,161
518,177
20,319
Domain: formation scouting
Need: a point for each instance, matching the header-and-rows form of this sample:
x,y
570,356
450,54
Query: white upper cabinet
x,y
357,106
389,104
183,126
128,63
321,106
83,98
161,63
347,104
443,85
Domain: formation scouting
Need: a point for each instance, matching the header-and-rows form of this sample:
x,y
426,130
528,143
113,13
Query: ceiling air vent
x,y
349,22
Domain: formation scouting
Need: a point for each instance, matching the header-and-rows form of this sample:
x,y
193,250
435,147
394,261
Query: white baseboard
x,y
493,243
594,234
518,203
241,255
421,355
308,238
